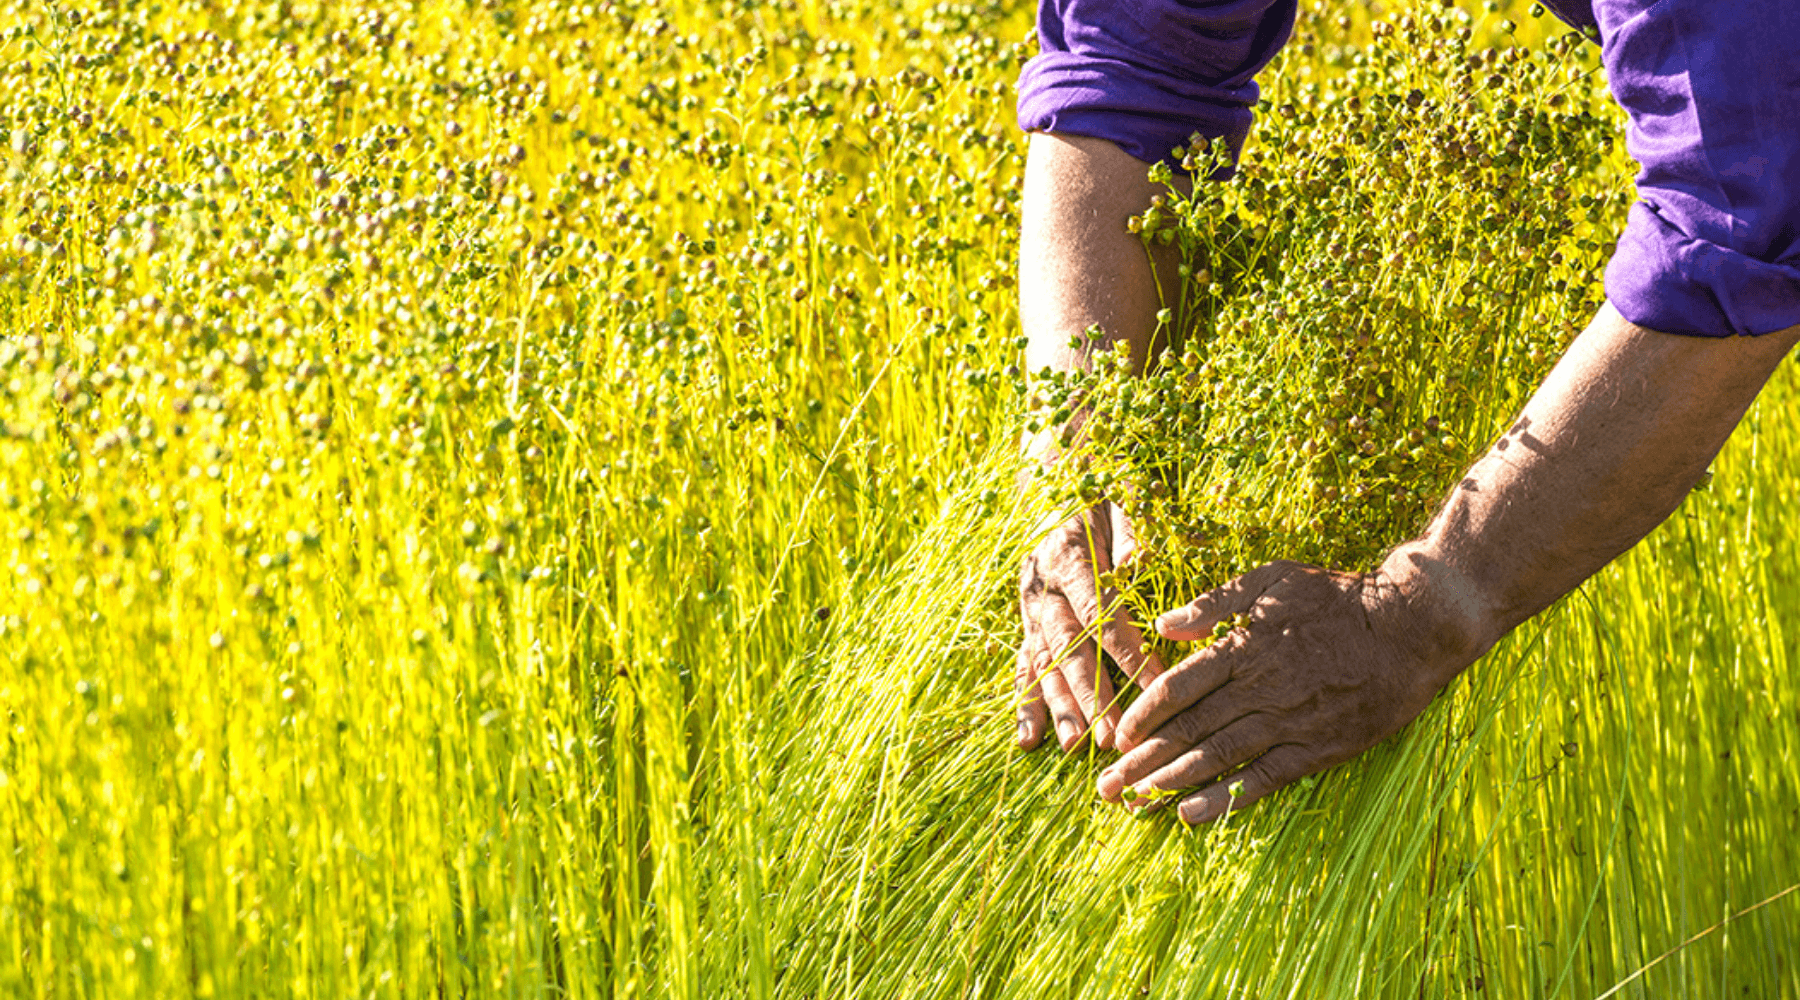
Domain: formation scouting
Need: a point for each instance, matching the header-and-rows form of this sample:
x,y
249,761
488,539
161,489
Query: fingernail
x,y
1024,732
1196,811
1109,785
1065,733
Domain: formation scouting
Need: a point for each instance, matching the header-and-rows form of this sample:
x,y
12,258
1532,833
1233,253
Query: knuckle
x,y
1275,770
1078,663
1023,672
1224,747
1137,720
1194,767
1125,649
1261,777
1187,727
1031,579
1282,569
1086,608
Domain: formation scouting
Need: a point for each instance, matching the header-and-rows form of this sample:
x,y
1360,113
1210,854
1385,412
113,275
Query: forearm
x,y
1605,450
1079,267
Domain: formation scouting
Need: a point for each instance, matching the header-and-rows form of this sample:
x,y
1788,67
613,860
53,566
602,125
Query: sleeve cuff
x,y
1076,95
1147,75
1665,280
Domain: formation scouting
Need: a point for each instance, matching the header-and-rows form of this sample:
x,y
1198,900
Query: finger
x,y
1176,692
1196,619
1124,537
1074,657
1124,642
1065,712
1079,670
1141,762
1081,590
1228,748
1119,636
1106,711
1208,735
1032,717
1286,763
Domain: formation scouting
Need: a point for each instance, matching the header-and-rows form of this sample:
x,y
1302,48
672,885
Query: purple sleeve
x,y
1578,14
1712,247
1712,91
1146,74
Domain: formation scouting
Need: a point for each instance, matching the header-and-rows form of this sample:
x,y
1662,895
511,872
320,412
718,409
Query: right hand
x,y
1059,675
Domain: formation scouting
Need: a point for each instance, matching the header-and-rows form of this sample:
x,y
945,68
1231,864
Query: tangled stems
x,y
1357,312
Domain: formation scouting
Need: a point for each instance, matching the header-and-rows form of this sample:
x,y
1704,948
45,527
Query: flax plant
x,y
518,499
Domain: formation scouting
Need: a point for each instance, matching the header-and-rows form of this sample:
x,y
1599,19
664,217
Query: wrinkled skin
x,y
1328,665
1332,663
1059,676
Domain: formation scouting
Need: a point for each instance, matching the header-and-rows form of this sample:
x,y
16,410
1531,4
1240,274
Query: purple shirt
x,y
1712,92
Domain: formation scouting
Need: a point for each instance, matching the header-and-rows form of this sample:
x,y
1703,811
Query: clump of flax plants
x,y
420,426
1357,312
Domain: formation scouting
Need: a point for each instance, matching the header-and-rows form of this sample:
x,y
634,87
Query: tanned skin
x,y
1332,663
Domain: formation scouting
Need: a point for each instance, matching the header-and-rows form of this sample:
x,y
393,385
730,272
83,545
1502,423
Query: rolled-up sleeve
x,y
1712,91
1146,74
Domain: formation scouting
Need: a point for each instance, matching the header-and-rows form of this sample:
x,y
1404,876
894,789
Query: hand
x,y
1317,667
1064,606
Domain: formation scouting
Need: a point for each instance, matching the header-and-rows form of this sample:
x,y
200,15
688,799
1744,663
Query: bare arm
x,y
1078,268
1605,450
1332,663
1078,265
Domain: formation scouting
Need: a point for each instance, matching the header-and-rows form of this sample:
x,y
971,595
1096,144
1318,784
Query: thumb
x,y
1196,619
1124,538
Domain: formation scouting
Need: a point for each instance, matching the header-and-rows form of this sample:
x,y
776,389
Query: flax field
x,y
516,498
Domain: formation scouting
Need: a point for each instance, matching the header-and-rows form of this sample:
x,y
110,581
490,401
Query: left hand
x,y
1322,666
1064,607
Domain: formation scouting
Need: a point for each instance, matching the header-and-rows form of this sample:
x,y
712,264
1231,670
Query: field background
x,y
512,499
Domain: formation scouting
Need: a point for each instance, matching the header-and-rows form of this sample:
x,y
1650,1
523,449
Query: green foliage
x,y
516,498
1357,312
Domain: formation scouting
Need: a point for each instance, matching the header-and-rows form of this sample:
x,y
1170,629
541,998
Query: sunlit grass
x,y
516,499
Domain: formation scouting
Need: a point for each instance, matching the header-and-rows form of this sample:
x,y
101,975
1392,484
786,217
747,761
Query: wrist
x,y
1041,449
1446,609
